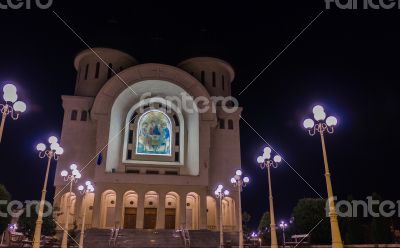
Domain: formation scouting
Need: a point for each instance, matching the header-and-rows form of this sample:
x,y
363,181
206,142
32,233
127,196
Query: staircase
x,y
132,238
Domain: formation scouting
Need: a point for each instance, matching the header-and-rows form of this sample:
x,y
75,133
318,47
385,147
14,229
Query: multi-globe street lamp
x,y
10,97
265,161
220,194
283,225
71,178
239,182
54,152
84,190
321,126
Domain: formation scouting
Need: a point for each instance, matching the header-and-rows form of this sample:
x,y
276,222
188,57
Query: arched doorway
x,y
150,210
171,205
130,209
87,204
68,200
192,210
211,213
228,213
108,200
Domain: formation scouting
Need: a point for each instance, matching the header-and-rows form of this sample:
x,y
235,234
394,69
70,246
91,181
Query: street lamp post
x,y
326,125
10,97
71,179
265,161
283,226
238,182
220,195
53,153
84,191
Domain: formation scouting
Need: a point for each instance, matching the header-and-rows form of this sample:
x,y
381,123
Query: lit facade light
x,y
50,154
331,121
326,126
308,123
53,139
10,107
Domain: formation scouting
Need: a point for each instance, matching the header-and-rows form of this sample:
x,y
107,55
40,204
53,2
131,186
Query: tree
x,y
6,198
307,214
352,228
246,217
27,222
264,228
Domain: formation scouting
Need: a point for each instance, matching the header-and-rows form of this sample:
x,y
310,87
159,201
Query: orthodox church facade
x,y
152,141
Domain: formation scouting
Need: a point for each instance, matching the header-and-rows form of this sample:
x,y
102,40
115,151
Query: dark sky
x,y
347,60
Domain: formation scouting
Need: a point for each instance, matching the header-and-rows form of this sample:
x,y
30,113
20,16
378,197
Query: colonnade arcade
x,y
148,210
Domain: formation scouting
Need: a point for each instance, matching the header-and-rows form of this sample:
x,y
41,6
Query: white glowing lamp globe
x,y
10,96
266,155
53,139
75,172
79,175
91,188
308,123
319,116
41,147
59,150
19,106
220,187
233,180
64,173
9,88
226,192
238,172
277,159
73,167
317,109
54,146
246,179
331,121
80,188
267,150
87,183
216,192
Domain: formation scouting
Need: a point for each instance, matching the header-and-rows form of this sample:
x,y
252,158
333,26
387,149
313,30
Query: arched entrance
x,y
192,210
211,213
107,215
228,213
130,210
171,205
68,201
150,210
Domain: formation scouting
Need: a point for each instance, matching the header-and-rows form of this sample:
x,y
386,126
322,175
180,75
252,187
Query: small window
x,y
152,172
84,116
223,82
129,155
213,79
221,123
132,171
230,124
109,74
202,79
74,115
86,71
96,75
171,173
176,156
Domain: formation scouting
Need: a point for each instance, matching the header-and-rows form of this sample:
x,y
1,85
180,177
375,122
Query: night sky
x,y
347,60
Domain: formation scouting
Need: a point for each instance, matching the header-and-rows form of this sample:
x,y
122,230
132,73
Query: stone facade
x,y
101,135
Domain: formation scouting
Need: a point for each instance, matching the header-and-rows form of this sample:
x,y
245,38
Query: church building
x,y
154,142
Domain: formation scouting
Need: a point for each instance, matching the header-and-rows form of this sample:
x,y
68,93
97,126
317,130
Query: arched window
x,y
154,134
74,115
109,73
96,75
213,79
86,71
230,124
84,115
